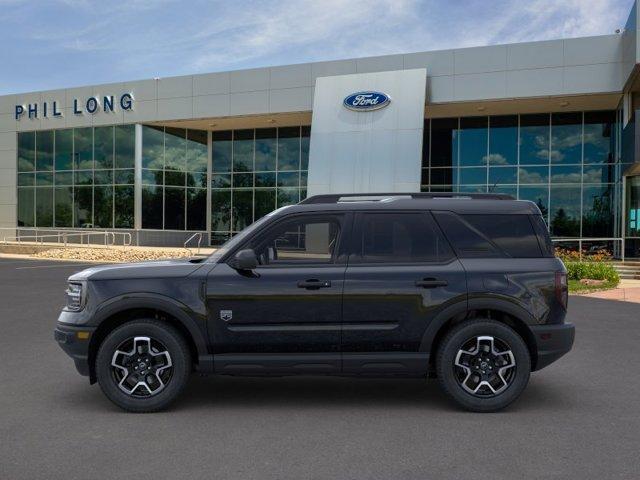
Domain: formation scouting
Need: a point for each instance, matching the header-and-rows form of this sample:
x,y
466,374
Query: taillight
x,y
562,289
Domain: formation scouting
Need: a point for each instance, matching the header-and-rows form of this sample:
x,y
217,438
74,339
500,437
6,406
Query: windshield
x,y
233,242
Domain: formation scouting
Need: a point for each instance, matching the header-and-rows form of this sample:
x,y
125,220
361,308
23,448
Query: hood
x,y
152,269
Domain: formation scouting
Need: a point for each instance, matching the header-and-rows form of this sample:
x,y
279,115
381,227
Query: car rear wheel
x,y
483,365
143,365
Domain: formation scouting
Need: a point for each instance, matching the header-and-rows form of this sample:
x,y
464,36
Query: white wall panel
x,y
211,106
367,151
211,83
175,87
290,100
535,55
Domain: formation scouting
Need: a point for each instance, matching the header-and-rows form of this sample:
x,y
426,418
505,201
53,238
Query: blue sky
x,y
51,44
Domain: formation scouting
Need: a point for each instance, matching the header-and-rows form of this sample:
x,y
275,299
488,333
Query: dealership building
x,y
551,121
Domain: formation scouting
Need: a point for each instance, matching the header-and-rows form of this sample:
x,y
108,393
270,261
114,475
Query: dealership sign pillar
x,y
367,132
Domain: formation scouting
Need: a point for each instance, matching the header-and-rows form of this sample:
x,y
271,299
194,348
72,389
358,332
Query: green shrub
x,y
592,270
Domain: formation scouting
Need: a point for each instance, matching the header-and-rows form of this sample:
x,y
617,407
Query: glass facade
x,y
568,163
77,177
254,172
174,178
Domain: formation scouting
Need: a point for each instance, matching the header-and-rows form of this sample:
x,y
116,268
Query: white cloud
x,y
123,39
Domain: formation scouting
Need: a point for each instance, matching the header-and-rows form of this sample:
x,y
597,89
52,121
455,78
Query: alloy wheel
x,y
141,366
485,366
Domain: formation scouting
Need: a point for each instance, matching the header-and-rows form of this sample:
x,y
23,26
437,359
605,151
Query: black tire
x,y
451,377
175,376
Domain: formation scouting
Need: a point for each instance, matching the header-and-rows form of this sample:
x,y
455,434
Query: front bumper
x,y
552,341
75,341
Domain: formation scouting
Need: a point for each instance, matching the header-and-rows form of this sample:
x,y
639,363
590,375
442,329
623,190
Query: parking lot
x,y
579,418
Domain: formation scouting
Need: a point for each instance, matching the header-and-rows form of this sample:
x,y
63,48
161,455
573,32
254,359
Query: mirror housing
x,y
245,260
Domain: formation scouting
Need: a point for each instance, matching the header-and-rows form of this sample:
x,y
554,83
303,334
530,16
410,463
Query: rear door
x,y
401,274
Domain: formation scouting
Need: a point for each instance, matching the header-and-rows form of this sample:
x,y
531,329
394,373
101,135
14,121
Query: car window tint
x,y
514,234
402,237
467,241
299,241
544,240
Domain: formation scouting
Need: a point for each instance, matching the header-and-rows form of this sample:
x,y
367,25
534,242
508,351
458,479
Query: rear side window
x,y
488,236
513,234
467,241
401,238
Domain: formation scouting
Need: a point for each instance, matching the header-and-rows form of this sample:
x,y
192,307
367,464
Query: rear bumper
x,y
75,343
552,341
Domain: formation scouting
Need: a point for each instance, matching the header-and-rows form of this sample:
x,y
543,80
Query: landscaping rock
x,y
592,283
115,255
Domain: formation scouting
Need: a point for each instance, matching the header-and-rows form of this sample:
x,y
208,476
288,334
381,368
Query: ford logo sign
x,y
365,101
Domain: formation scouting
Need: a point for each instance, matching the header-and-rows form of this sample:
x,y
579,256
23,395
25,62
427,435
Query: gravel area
x,y
116,255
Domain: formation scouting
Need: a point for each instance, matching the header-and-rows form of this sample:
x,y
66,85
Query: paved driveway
x,y
579,418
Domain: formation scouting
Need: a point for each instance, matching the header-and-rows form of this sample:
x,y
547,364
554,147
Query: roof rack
x,y
377,197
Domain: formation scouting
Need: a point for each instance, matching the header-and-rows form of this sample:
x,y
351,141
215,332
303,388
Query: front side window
x,y
299,241
401,238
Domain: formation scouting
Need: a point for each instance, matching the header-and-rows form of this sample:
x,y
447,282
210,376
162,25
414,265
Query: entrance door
x,y
632,216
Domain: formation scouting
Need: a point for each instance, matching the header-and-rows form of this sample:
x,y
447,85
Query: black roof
x,y
455,202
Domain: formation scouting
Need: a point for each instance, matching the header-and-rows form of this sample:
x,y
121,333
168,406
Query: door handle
x,y
431,283
314,284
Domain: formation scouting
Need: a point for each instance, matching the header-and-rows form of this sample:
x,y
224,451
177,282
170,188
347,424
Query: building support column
x,y
137,223
209,170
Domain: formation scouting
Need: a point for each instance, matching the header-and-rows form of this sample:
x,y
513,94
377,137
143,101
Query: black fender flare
x,y
450,311
488,302
193,322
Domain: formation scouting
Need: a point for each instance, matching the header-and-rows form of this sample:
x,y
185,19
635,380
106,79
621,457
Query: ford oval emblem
x,y
365,101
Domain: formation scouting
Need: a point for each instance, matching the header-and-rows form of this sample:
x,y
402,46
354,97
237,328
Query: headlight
x,y
75,297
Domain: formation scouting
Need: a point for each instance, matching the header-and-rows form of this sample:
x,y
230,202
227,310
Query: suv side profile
x,y
463,287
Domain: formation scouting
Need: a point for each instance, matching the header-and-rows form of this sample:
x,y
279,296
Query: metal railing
x,y
581,241
197,235
85,238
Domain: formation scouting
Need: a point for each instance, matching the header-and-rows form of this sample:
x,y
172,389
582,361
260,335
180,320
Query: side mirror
x,y
245,260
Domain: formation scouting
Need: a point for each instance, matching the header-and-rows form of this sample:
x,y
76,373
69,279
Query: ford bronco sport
x,y
463,287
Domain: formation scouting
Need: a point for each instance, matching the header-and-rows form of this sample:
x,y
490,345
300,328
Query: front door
x,y
286,315
401,274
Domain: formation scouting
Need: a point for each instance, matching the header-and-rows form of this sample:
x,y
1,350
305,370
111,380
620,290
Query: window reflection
x,y
63,197
597,211
534,139
473,137
599,140
503,140
259,161
564,215
537,195
566,138
560,161
79,163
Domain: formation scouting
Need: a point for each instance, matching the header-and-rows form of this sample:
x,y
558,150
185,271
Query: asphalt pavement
x,y
578,418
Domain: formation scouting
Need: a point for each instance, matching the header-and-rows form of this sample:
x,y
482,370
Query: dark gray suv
x,y
465,288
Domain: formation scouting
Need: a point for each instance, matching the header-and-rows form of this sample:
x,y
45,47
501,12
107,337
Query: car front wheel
x,y
483,365
143,365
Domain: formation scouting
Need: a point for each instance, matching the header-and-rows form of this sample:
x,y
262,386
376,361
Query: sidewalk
x,y
627,291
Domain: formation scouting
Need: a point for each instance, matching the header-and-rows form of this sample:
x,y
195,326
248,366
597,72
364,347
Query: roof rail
x,y
372,197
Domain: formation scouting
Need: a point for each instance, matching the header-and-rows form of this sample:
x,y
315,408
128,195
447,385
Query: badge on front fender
x,y
226,315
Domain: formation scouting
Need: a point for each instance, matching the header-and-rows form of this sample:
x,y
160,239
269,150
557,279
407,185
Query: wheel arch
x,y
119,311
502,310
